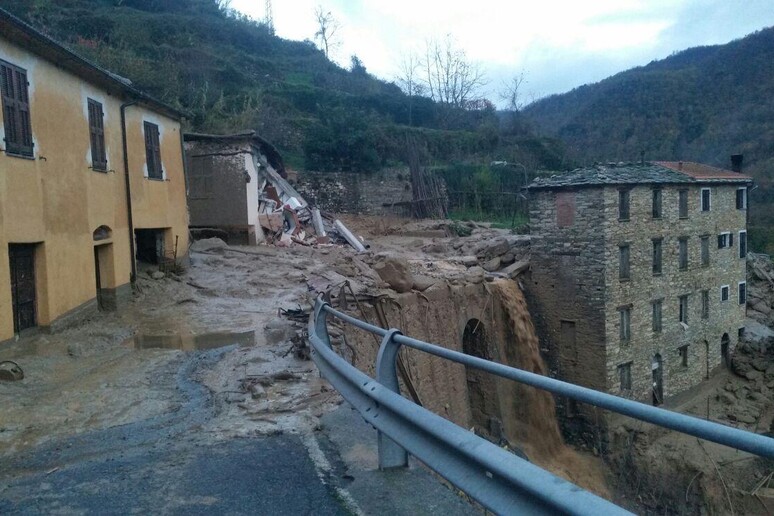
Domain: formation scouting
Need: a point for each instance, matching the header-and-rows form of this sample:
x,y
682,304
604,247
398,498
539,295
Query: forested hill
x,y
702,104
233,73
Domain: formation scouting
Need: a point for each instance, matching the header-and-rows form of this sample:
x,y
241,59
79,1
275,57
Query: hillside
x,y
702,104
232,73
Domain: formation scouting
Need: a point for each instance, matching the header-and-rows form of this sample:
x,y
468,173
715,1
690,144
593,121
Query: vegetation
x,y
232,73
702,104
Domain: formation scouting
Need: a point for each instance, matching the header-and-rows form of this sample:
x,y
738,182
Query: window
x,y
657,255
97,135
724,293
743,244
625,375
657,315
705,304
684,309
705,257
683,204
706,196
625,331
153,151
656,203
682,259
742,292
16,110
725,239
623,204
683,350
565,209
741,198
623,261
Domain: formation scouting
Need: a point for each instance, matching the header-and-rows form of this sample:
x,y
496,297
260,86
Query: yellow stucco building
x,y
91,176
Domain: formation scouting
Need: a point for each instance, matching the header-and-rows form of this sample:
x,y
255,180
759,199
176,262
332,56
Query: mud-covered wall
x,y
350,192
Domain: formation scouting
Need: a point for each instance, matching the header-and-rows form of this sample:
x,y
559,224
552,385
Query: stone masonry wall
x,y
566,293
350,192
702,336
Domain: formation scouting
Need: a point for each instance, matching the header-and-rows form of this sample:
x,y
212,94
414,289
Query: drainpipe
x,y
133,275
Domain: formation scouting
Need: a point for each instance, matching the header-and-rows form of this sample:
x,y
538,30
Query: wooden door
x,y
22,258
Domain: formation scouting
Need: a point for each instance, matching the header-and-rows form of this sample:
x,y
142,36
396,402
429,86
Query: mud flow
x,y
189,342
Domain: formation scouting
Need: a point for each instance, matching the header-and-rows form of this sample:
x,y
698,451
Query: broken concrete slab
x,y
515,269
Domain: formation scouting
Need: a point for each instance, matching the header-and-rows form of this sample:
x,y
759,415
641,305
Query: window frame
x,y
625,376
624,204
727,290
744,198
657,307
683,351
705,304
657,211
682,203
724,240
97,135
742,247
741,287
705,250
625,324
682,253
658,244
624,265
153,151
682,314
17,112
708,207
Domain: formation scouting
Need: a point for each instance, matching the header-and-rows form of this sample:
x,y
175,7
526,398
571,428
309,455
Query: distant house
x,y
638,275
91,177
232,179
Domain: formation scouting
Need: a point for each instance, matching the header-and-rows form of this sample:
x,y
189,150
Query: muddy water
x,y
190,342
529,413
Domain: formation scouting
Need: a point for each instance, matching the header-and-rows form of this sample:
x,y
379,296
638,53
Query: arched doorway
x,y
482,390
658,379
725,343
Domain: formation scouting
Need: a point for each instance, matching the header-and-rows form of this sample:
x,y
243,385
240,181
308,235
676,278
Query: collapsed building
x,y
638,279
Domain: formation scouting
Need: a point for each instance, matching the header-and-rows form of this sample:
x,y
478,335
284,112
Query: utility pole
x,y
269,17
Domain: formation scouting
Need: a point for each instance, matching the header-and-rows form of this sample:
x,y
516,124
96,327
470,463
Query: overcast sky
x,y
557,44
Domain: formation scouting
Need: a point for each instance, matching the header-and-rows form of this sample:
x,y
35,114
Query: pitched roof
x,y
26,36
701,171
638,173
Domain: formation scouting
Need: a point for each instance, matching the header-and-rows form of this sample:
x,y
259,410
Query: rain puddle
x,y
191,342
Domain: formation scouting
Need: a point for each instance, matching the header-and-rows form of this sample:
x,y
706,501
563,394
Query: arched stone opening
x,y
482,387
725,344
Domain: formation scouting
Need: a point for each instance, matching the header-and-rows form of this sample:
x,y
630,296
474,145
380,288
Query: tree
x,y
408,80
450,78
356,65
327,27
511,93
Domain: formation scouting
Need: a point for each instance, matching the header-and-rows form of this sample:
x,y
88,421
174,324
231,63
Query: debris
x,y
158,275
10,371
395,272
318,224
208,244
348,236
515,269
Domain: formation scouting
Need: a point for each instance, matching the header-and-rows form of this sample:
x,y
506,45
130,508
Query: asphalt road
x,y
168,465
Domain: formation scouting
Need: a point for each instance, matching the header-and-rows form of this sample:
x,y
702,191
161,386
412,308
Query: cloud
x,y
558,44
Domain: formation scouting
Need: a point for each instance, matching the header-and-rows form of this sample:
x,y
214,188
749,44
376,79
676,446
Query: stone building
x,y
638,275
227,177
91,176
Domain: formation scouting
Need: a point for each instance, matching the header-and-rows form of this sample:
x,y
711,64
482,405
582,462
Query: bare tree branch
x,y
327,26
449,76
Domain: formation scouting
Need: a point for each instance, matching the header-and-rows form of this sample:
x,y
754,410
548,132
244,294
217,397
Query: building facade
x,y
91,174
639,275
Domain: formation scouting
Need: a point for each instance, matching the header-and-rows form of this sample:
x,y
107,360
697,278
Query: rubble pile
x,y
760,300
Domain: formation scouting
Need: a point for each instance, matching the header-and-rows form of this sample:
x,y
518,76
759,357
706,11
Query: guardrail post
x,y
320,322
391,455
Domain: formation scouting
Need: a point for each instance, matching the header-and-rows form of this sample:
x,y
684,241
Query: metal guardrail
x,y
499,480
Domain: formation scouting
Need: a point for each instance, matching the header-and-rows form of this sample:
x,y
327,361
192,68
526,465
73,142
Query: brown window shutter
x,y
16,110
157,153
97,135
